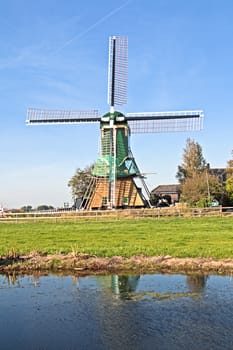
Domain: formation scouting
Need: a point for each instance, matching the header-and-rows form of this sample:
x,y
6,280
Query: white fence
x,y
101,215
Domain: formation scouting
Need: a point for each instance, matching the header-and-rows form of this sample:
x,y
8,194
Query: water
x,y
116,312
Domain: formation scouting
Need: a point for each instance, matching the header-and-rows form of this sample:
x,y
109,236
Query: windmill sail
x,y
117,70
173,121
49,116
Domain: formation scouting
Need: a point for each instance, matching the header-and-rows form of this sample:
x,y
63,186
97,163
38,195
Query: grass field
x,y
178,237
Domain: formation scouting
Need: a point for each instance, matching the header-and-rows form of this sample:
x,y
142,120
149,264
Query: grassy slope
x,y
178,237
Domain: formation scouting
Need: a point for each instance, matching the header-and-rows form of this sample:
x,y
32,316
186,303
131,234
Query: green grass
x,y
178,237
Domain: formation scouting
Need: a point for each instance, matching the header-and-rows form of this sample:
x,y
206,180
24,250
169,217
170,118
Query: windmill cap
x,y
116,116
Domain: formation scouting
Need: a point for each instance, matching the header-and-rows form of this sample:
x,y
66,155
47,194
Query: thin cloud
x,y
34,56
25,56
93,26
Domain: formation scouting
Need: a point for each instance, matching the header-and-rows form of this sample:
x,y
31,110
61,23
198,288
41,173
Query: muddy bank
x,y
84,264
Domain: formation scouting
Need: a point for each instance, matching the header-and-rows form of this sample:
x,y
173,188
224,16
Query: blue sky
x,y
54,54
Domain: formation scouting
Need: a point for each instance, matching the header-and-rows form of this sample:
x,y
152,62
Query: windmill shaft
x,y
111,167
64,121
113,72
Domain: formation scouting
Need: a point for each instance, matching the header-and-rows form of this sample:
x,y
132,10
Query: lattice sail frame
x,y
173,121
117,70
53,116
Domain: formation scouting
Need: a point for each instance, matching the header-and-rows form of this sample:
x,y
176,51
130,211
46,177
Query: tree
x,y
44,207
229,181
230,166
80,181
193,161
229,185
201,189
198,187
26,208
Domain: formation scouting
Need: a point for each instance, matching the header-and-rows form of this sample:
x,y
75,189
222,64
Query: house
x,y
168,190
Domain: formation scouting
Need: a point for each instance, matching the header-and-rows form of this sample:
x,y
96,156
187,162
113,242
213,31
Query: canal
x,y
116,312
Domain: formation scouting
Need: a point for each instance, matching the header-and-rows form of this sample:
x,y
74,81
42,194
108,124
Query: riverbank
x,y
173,244
177,237
86,264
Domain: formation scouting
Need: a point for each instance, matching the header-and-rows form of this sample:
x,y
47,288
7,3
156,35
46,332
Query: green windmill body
x,y
119,162
115,168
113,180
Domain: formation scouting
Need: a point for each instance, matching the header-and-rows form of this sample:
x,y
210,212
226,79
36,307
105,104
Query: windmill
x,y
113,180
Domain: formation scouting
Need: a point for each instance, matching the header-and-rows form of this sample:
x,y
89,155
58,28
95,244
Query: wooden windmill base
x,y
127,194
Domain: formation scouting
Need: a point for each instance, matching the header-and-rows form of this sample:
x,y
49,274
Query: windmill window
x,y
104,200
125,200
